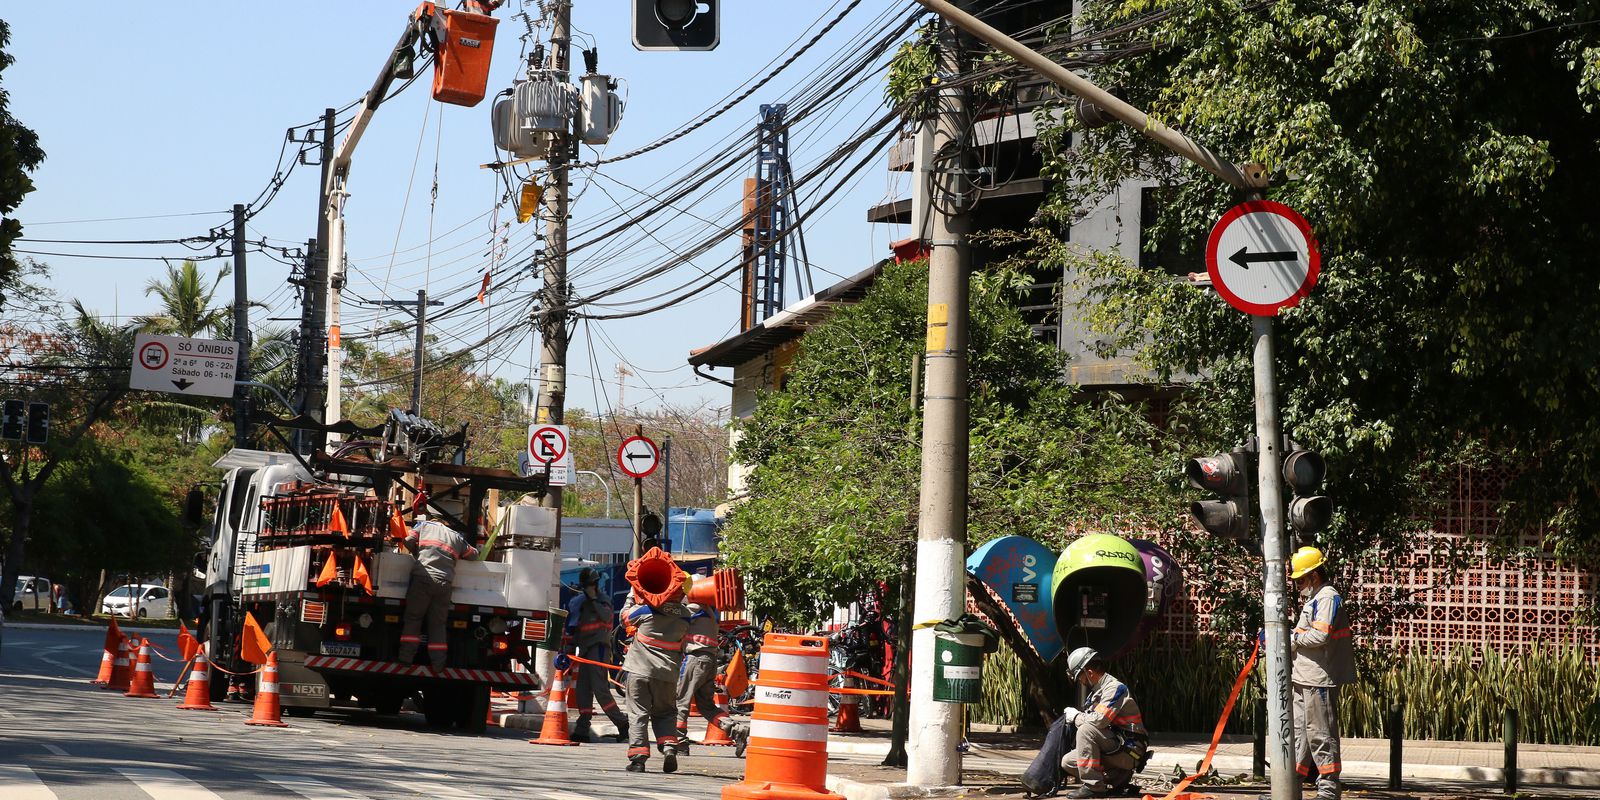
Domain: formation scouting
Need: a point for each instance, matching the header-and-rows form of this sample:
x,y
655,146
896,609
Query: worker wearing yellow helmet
x,y
1323,661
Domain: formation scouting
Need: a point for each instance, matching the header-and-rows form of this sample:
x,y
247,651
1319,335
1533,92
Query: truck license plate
x,y
347,649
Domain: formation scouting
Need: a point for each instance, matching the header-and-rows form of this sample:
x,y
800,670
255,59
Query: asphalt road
x,y
61,737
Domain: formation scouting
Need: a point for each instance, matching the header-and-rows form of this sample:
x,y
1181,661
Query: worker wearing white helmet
x,y
1324,660
1112,742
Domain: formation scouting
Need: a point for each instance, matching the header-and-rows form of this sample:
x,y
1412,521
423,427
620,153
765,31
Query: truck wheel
x,y
439,706
299,711
472,711
388,703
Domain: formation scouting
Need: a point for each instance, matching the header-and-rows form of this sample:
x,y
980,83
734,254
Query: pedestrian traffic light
x,y
11,420
1228,476
1309,512
675,25
38,423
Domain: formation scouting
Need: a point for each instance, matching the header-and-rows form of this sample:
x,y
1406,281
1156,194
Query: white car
x,y
141,600
33,594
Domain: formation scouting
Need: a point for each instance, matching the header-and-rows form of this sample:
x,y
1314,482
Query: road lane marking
x,y
314,790
68,667
427,789
52,748
164,784
20,783
559,795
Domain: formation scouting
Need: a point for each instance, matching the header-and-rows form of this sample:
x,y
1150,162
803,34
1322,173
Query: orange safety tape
x,y
842,690
226,671
596,663
879,681
183,679
1216,736
157,649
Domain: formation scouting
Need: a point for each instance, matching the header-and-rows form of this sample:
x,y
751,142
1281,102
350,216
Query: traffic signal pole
x,y
1249,179
932,759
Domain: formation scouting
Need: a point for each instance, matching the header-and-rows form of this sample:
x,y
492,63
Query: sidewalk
x,y
997,757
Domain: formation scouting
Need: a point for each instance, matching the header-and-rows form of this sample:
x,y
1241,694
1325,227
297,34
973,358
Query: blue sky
x,y
181,107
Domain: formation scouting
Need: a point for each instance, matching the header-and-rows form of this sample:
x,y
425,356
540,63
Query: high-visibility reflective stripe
x,y
266,688
1329,769
593,626
198,675
1302,769
1129,719
143,666
1322,626
658,643
438,647
411,639
1342,633
695,638
557,706
791,731
801,698
638,751
785,662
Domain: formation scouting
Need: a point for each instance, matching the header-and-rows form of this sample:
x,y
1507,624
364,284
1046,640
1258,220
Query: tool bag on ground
x,y
1043,776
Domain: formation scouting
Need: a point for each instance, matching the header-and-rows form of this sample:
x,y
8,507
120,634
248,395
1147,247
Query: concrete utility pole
x,y
552,323
311,392
419,307
935,728
1249,179
241,333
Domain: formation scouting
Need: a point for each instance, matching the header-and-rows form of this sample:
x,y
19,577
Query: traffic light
x,y
1228,476
38,423
1309,512
675,25
11,420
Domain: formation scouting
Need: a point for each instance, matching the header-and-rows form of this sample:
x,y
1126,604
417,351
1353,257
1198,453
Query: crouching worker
x,y
651,680
1111,741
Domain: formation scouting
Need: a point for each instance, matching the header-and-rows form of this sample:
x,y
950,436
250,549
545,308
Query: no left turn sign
x,y
638,456
1262,256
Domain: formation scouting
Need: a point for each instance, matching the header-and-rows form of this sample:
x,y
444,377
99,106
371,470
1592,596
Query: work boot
x,y
669,759
739,732
1143,760
683,741
636,764
580,730
619,720
1084,791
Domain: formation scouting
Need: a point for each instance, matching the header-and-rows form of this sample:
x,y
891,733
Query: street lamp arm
x,y
609,490
1247,179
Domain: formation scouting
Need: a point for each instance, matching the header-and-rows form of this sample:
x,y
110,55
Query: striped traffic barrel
x,y
788,754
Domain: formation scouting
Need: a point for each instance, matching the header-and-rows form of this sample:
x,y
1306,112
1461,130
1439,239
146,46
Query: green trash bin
x,y
958,667
554,629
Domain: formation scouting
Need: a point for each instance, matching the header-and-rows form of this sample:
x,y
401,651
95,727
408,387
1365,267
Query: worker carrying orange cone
x,y
697,681
268,709
198,697
144,677
655,608
555,712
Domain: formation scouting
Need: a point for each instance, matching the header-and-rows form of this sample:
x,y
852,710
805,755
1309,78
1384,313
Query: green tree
x,y
1445,154
836,452
187,303
20,154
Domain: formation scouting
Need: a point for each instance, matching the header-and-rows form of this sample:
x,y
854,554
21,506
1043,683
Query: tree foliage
x,y
1445,154
20,154
836,452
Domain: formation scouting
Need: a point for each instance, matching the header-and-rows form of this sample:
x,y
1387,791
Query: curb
x,y
45,626
856,790
522,722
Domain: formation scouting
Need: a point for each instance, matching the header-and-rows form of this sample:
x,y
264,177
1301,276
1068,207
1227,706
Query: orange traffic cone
x,y
199,695
106,665
144,677
848,720
118,682
788,753
555,714
715,735
268,709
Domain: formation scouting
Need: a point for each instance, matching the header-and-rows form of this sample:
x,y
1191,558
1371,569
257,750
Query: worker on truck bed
x,y
651,679
1112,742
701,657
433,576
590,620
1323,661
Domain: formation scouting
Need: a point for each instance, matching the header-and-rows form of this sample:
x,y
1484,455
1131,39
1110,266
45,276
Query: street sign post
x,y
549,446
1262,257
181,365
638,457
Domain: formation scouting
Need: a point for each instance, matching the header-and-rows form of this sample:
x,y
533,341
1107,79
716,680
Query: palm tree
x,y
186,308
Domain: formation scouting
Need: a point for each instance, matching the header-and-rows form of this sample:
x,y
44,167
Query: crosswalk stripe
x,y
20,783
314,790
560,795
53,749
427,789
164,784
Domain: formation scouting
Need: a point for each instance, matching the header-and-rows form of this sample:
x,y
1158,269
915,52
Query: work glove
x,y
563,661
1070,712
1261,638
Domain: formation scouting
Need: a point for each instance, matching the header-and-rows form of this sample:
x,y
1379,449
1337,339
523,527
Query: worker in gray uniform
x,y
702,656
433,577
590,620
1324,660
651,678
1112,742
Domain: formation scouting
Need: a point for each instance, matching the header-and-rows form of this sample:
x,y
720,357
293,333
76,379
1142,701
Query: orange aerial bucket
x,y
461,67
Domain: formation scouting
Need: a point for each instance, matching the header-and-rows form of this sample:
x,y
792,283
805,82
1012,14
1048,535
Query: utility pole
x,y
241,333
552,322
936,728
1249,179
419,308
638,507
312,392
666,488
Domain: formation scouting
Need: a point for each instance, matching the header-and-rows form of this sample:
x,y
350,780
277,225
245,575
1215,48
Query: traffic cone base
x,y
198,697
268,709
554,731
143,683
848,720
715,735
